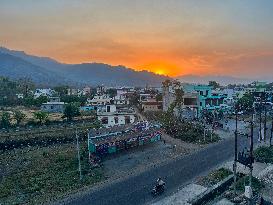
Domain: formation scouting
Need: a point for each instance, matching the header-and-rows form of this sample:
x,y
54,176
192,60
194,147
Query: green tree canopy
x,y
19,116
214,84
246,102
5,120
41,116
71,110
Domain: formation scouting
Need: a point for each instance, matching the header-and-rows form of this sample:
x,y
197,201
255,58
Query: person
x,y
160,183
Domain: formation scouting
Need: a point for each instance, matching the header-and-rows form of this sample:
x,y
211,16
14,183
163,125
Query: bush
x,y
215,177
243,181
264,154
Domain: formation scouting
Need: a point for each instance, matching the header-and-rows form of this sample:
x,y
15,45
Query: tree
x,y
5,120
179,100
159,97
245,103
214,84
19,116
111,92
61,90
71,110
41,116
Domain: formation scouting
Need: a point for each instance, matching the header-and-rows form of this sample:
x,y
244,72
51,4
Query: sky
x,y
171,37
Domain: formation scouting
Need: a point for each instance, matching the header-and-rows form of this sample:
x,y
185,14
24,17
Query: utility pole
x,y
78,150
265,128
260,110
251,156
271,131
235,151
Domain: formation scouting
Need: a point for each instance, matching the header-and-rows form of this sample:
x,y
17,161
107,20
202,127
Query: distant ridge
x,y
224,80
44,70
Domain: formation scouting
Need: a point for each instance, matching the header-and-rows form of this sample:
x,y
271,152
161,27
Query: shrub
x,y
264,154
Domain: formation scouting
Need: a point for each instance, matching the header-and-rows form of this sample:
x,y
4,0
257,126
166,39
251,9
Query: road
x,y
136,189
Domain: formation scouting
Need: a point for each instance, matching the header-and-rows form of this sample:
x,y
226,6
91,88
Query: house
x,y
151,106
20,95
121,99
86,91
100,100
109,115
195,99
143,97
43,92
54,105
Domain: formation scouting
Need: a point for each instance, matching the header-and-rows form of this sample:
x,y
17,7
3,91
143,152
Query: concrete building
x,y
151,106
110,116
100,100
43,92
195,99
54,105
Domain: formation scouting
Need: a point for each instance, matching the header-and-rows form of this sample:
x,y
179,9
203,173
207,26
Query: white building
x,y
43,92
53,106
100,100
20,96
110,116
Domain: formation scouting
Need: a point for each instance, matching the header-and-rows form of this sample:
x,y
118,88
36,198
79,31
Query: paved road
x,y
136,189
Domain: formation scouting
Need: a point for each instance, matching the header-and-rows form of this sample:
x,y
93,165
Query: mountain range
x,y
47,71
223,80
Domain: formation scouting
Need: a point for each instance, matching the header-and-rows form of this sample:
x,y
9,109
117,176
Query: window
x,y
108,108
51,107
104,120
201,104
201,92
116,120
127,119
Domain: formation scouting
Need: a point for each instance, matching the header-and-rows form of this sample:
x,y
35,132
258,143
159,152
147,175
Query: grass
x,y
215,177
264,154
33,176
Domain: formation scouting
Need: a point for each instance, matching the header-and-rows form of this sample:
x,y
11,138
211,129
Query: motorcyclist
x,y
160,183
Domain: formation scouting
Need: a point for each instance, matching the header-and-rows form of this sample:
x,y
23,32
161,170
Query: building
x,y
195,99
110,116
20,95
72,91
54,105
47,92
86,91
143,97
153,106
100,100
107,141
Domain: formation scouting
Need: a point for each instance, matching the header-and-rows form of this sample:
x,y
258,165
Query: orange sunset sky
x,y
171,37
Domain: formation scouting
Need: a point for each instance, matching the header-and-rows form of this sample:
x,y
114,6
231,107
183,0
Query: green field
x,y
35,175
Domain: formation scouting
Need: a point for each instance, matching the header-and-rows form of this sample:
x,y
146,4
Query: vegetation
x,y
215,177
111,92
214,84
33,176
9,89
71,110
6,120
74,99
41,116
256,184
246,102
19,116
264,154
